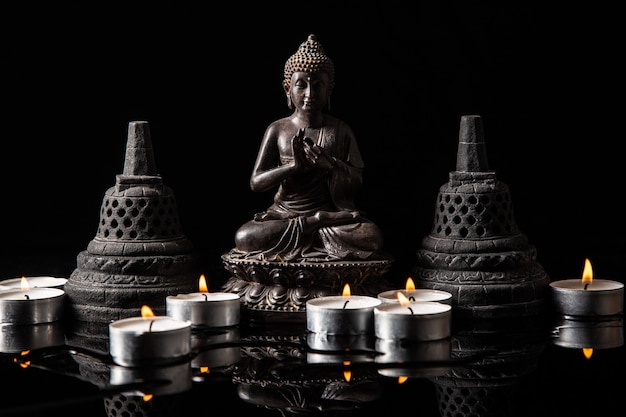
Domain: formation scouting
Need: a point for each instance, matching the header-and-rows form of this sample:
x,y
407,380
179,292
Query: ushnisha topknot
x,y
310,57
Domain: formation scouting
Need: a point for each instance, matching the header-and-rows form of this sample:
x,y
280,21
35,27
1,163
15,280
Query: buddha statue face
x,y
309,91
309,69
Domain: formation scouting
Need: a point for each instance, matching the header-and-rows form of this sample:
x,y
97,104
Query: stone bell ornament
x,y
140,254
475,250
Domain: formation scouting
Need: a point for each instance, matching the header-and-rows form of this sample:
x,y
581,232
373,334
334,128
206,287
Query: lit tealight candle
x,y
416,295
203,308
422,321
31,305
34,282
588,296
147,339
344,314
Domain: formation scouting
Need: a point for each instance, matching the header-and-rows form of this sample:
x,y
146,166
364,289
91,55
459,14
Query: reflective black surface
x,y
532,366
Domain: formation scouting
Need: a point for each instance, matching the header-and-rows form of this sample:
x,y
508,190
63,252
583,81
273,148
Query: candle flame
x,y
146,312
587,273
587,352
346,290
410,285
347,374
205,370
402,379
24,284
402,299
202,284
147,397
23,362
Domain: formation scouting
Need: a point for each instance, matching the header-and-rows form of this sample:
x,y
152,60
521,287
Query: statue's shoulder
x,y
279,126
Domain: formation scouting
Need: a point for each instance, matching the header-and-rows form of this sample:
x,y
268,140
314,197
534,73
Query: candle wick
x,y
411,298
206,298
346,303
26,296
586,285
150,326
411,310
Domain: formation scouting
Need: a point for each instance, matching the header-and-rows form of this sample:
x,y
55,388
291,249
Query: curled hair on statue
x,y
310,57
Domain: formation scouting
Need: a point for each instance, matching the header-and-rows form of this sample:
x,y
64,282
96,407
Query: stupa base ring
x,y
490,294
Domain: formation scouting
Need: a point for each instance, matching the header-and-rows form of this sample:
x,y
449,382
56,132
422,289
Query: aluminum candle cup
x,y
138,341
217,309
417,295
415,321
341,315
596,334
159,380
600,298
34,282
18,338
36,305
429,357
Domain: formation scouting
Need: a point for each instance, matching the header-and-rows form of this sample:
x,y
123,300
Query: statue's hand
x,y
317,156
299,144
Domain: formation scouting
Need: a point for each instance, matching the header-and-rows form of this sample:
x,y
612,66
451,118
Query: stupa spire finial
x,y
471,154
139,160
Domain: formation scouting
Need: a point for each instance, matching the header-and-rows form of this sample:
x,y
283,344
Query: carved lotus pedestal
x,y
278,291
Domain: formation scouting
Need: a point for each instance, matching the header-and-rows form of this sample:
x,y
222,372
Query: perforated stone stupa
x,y
140,253
475,250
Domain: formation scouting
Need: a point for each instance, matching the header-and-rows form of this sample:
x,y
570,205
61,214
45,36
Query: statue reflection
x,y
499,383
279,371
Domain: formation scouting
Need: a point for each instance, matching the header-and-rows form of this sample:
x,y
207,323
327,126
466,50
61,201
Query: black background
x,y
546,79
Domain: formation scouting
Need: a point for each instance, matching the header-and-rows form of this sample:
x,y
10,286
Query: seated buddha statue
x,y
310,159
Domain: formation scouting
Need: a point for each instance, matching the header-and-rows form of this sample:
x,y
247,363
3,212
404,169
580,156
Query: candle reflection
x,y
214,350
155,380
30,337
413,359
589,335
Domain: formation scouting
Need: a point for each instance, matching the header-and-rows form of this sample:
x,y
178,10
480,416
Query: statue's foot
x,y
337,217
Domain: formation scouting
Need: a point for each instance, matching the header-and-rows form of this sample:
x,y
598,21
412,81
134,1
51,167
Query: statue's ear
x,y
286,88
